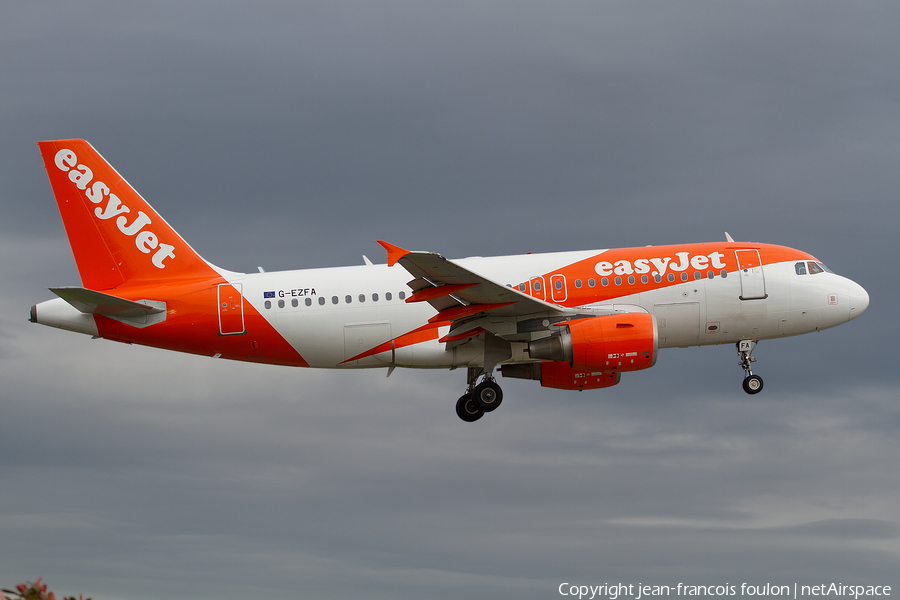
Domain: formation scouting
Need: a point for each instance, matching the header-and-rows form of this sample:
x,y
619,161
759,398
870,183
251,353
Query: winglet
x,y
728,238
394,253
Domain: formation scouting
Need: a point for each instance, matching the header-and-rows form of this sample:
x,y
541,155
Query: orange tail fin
x,y
115,235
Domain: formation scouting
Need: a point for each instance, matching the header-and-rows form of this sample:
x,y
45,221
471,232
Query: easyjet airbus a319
x,y
570,320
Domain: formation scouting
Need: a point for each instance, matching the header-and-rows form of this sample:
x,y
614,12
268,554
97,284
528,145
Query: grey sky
x,y
293,135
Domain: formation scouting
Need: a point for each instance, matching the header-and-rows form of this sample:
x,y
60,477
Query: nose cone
x,y
859,300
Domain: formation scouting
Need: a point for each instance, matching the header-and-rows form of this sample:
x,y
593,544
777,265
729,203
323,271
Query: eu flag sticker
x,y
268,294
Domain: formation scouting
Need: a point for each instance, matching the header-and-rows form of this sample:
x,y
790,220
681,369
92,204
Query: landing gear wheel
x,y
487,395
467,410
753,384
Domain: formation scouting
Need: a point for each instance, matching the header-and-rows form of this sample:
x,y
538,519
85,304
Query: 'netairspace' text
x,y
638,591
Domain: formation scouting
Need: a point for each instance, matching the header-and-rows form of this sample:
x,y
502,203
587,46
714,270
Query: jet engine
x,y
610,343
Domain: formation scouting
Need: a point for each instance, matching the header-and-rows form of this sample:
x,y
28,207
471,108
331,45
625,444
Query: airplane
x,y
570,320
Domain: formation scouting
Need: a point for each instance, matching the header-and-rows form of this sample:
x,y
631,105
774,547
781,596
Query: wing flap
x,y
438,291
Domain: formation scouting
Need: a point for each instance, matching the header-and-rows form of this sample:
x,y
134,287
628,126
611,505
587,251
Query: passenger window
x,y
348,298
281,304
387,296
296,302
724,273
618,281
800,268
308,302
591,282
268,304
374,297
815,269
558,284
631,280
537,286
321,300
402,295
578,283
522,287
697,274
710,274
657,278
362,297
671,276
644,279
334,299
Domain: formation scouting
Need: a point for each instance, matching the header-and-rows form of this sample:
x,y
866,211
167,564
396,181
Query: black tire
x,y
467,410
753,384
488,396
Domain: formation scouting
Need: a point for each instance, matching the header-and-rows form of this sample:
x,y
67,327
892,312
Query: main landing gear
x,y
479,399
753,384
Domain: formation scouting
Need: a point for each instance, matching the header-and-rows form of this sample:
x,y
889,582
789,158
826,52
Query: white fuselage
x,y
696,312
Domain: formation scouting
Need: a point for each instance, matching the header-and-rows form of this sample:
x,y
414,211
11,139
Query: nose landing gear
x,y
753,384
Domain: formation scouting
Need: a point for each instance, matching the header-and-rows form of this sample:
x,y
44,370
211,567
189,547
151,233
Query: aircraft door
x,y
753,282
231,309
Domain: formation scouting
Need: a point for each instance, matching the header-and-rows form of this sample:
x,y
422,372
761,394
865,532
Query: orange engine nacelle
x,y
626,342
611,343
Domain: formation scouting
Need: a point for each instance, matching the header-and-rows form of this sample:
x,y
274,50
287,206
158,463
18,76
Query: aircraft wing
x,y
459,294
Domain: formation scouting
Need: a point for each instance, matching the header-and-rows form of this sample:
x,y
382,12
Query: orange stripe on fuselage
x,y
648,261
421,334
192,325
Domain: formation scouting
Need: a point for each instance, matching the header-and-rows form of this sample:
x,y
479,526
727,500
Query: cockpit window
x,y
814,268
824,268
800,268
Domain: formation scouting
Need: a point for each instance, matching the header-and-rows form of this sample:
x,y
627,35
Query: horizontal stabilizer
x,y
96,303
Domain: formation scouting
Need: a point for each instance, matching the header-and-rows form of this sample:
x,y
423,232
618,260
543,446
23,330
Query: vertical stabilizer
x,y
115,235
